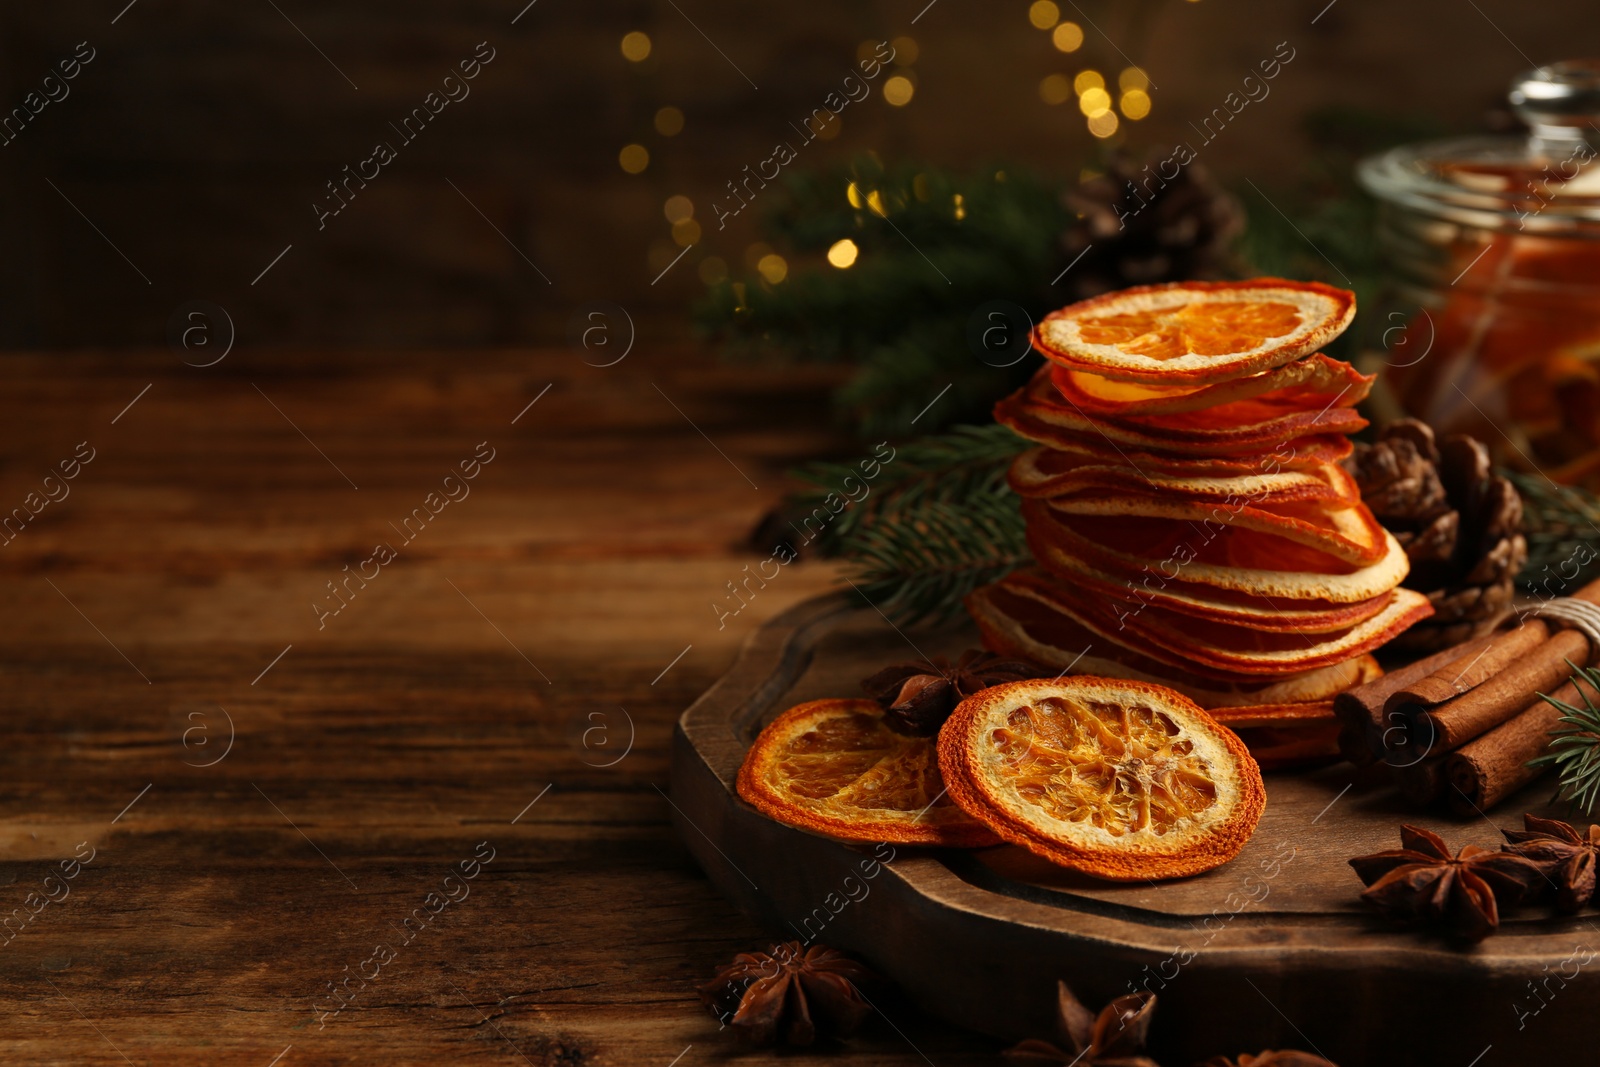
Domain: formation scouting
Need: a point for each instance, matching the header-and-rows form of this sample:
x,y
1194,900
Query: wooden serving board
x,y
1272,950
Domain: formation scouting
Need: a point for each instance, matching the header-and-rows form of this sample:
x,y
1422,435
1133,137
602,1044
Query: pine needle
x,y
962,464
920,563
1559,522
1575,748
938,522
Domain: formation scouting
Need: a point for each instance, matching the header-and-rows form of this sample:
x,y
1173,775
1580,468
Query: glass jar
x,y
1493,251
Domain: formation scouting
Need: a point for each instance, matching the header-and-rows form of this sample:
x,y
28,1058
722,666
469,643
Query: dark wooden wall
x,y
202,133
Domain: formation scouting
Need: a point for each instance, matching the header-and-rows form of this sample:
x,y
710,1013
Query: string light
x,y
753,253
1067,37
1135,104
1133,78
1043,14
905,51
634,158
1055,89
636,46
685,232
669,122
773,267
1093,101
898,90
678,208
842,254
1103,124
1086,80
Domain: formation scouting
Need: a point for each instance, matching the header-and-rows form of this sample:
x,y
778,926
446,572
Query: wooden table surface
x,y
270,791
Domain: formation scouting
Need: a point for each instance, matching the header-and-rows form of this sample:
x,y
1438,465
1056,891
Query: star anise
x,y
918,697
1564,857
789,994
1423,881
1283,1058
1114,1038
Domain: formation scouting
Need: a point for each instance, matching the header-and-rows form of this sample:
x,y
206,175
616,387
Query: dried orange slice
x,y
1120,780
1314,382
836,768
1195,333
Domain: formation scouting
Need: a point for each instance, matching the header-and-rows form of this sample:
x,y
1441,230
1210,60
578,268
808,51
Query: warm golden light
x,y
713,270
1086,80
774,268
1055,89
852,193
678,208
634,158
1136,104
1104,124
905,51
636,46
1094,101
843,253
1067,37
669,122
685,232
1043,14
898,90
754,253
1133,78
875,202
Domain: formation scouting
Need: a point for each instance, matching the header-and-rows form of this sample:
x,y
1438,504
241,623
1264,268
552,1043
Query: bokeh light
x,y
678,208
843,253
669,122
1055,89
1104,124
685,232
636,46
1136,103
1067,37
634,158
713,270
1086,80
898,90
1094,101
773,267
1044,14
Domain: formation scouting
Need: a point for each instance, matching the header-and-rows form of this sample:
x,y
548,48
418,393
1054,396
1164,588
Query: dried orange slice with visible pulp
x,y
835,767
1120,780
1195,333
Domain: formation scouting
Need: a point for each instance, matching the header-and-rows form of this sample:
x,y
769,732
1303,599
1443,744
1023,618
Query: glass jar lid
x,y
1546,183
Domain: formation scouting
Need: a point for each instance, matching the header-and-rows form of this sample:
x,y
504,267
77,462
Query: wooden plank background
x,y
145,611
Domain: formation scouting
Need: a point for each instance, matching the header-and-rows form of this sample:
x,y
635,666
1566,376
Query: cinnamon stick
x,y
1503,697
1360,710
1495,765
1423,782
1507,648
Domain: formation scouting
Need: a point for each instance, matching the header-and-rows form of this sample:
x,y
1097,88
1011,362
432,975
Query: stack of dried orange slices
x,y
1187,511
1120,780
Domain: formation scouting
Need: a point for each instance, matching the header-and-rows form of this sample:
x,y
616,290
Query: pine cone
x,y
1459,522
1140,228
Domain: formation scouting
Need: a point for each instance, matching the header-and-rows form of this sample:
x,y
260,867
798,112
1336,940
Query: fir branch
x,y
1558,522
920,563
1575,749
960,465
